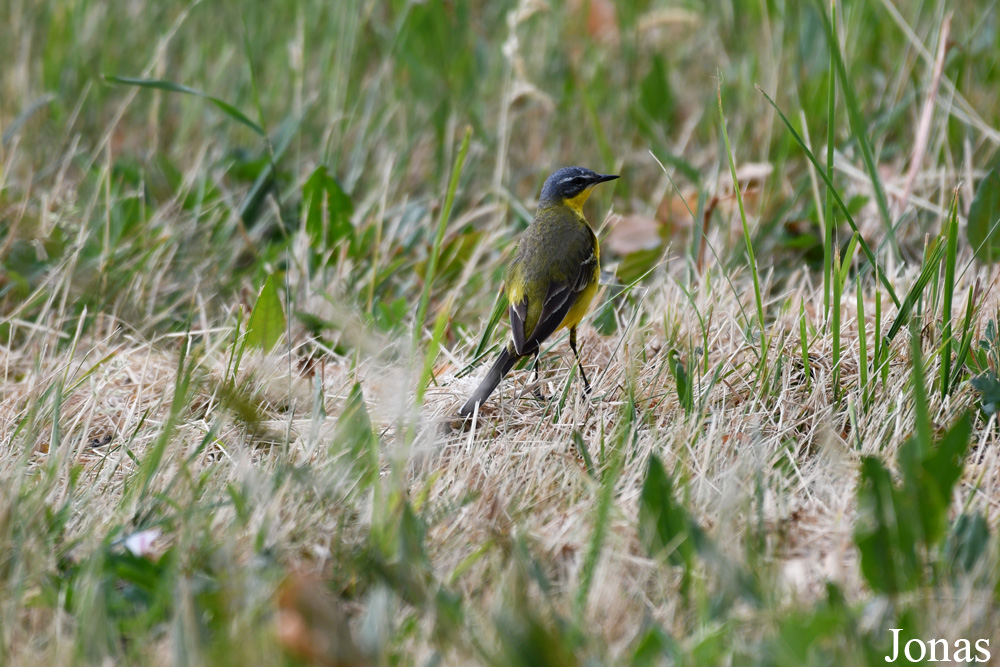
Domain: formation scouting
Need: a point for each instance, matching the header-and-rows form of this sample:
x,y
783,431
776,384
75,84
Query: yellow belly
x,y
579,309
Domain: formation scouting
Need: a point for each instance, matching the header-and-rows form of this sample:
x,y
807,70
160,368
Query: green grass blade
x,y
858,127
921,407
429,273
880,356
170,86
835,323
966,344
499,308
427,375
933,257
56,434
585,453
847,258
862,345
276,150
746,235
831,114
949,286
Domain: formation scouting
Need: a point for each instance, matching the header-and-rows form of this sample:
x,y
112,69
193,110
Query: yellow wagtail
x,y
553,277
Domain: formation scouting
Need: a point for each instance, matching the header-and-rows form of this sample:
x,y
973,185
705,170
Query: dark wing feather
x,y
558,301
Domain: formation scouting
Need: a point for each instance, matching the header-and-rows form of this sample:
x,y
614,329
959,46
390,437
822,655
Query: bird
x,y
552,278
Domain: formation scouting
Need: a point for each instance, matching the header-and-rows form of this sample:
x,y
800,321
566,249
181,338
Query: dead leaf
x,y
602,23
676,211
312,626
602,20
633,232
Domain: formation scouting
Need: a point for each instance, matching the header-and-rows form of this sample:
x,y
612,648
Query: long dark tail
x,y
501,367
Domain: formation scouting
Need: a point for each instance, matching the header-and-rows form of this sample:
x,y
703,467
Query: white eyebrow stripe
x,y
567,179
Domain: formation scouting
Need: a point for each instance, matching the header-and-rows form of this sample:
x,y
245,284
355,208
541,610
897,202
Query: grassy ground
x,y
236,327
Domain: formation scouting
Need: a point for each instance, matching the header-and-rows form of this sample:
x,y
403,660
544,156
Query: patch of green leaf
x,y
665,527
988,386
117,595
930,476
605,321
655,647
391,315
328,211
267,319
655,106
355,437
26,262
984,218
828,633
682,373
968,543
885,539
897,523
985,358
637,264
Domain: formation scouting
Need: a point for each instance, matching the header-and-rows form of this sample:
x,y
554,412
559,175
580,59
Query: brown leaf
x,y
675,210
602,20
312,626
602,23
633,232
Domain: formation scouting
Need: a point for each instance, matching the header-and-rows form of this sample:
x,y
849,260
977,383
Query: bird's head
x,y
571,186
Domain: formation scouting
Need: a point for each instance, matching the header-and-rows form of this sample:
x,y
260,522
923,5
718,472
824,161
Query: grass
x,y
249,269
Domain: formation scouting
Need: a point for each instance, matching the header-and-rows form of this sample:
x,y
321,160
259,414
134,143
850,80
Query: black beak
x,y
605,178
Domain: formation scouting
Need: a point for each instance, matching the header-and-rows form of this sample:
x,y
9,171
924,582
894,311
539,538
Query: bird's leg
x,y
538,390
572,346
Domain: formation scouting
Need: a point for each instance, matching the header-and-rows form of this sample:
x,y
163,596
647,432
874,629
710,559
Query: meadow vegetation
x,y
250,258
